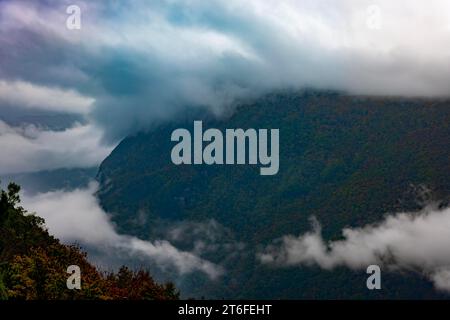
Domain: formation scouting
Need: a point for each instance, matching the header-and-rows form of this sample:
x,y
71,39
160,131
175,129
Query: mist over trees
x,y
33,263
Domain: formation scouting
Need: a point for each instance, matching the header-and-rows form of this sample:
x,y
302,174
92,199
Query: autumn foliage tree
x,y
33,263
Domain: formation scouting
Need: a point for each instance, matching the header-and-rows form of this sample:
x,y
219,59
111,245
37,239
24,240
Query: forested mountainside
x,y
33,264
346,160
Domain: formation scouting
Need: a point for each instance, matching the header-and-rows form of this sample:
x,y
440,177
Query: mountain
x,y
346,160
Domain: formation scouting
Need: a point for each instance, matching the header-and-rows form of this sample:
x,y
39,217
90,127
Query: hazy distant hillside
x,y
345,160
51,180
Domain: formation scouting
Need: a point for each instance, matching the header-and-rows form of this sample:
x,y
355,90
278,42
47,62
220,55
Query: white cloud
x,y
413,241
29,148
76,216
146,61
22,94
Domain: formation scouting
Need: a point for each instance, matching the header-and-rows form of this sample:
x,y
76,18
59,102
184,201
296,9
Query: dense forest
x,y
346,160
33,264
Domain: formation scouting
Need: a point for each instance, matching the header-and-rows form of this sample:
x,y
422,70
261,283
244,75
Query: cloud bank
x,y
26,95
410,241
30,148
144,62
76,216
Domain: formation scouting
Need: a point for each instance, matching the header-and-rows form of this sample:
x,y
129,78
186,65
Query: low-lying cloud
x,y
410,241
205,238
29,148
76,216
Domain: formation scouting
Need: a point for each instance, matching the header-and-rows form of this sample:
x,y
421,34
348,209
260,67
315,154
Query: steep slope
x,y
345,160
33,264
